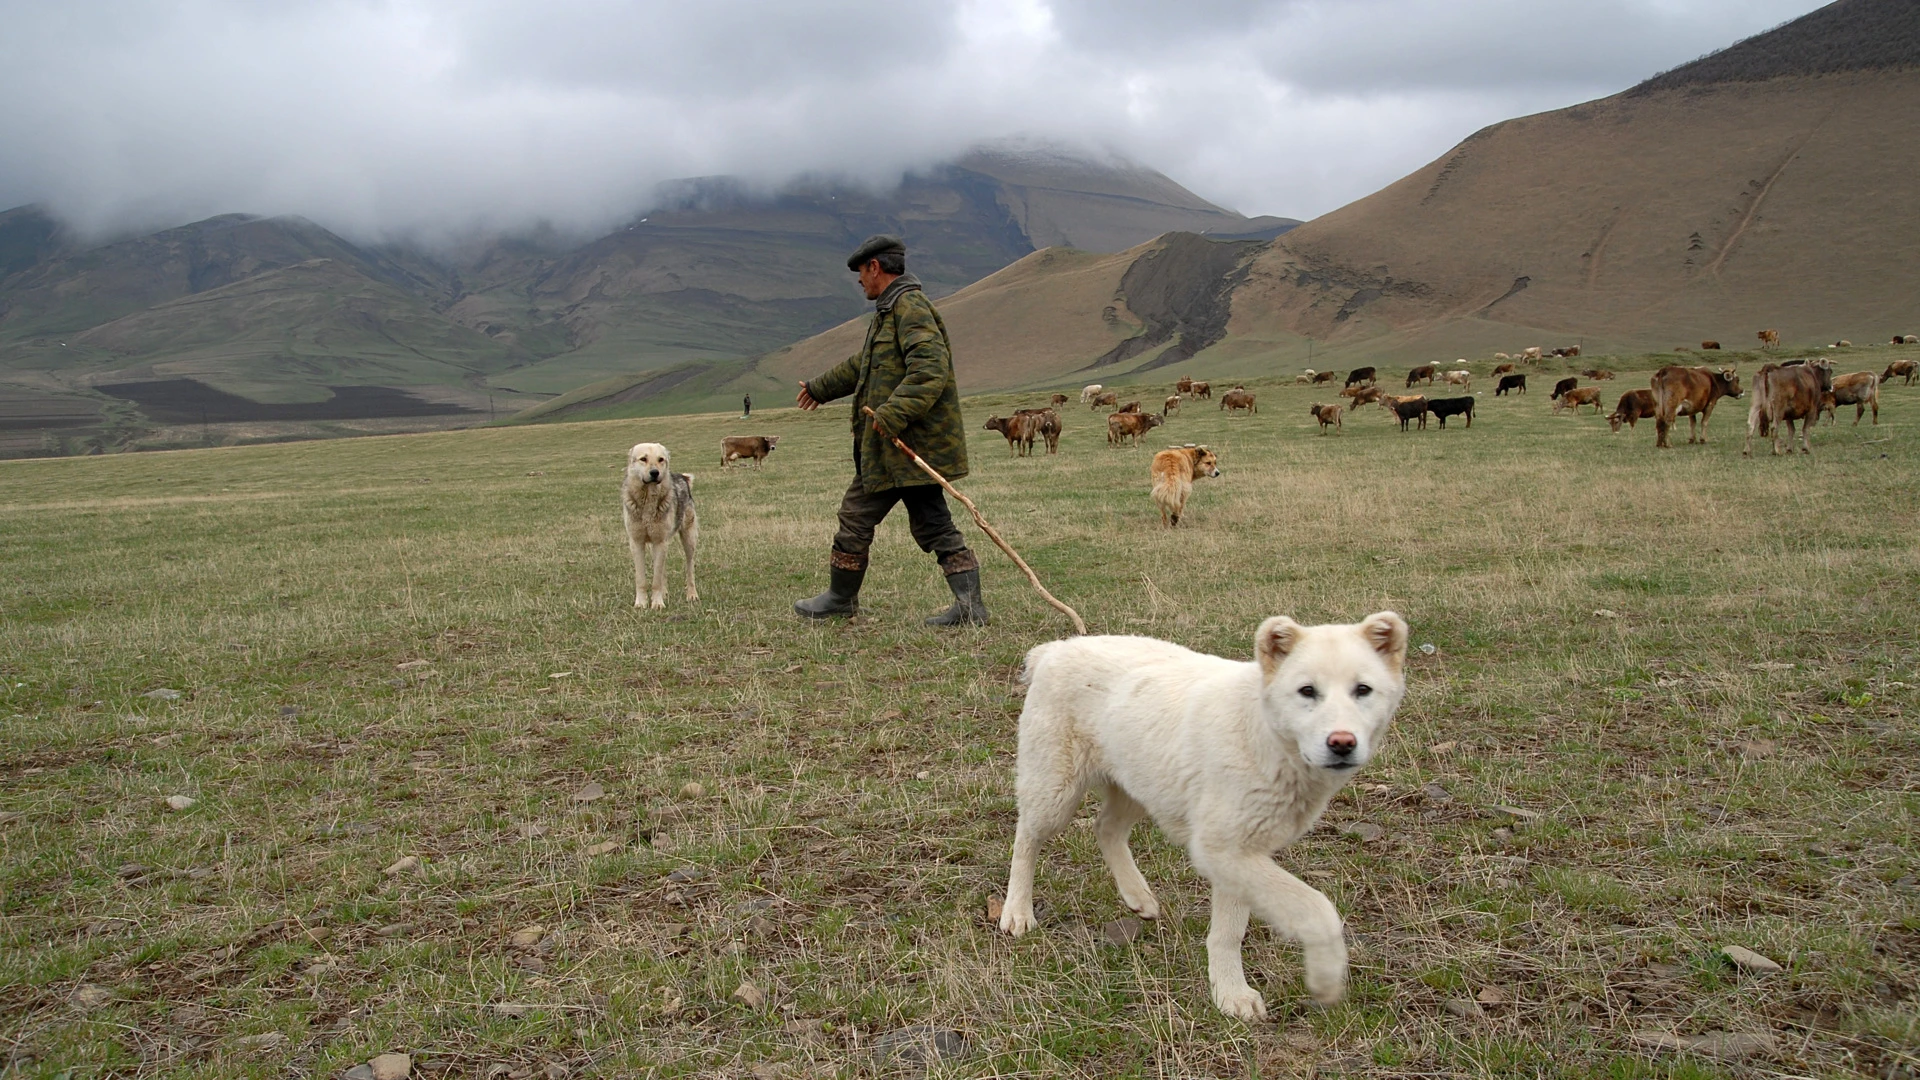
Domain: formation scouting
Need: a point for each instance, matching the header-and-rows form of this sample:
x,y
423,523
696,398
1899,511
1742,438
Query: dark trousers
x,y
862,511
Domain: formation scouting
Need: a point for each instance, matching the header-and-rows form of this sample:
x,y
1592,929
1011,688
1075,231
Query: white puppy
x,y
1233,760
657,505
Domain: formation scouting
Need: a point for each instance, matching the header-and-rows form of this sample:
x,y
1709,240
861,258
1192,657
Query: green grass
x,y
855,804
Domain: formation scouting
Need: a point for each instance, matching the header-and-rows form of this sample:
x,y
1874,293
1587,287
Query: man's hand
x,y
804,399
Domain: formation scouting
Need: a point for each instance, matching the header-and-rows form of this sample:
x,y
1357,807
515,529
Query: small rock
x,y
1718,1044
253,1044
607,848
1464,1009
920,1045
530,830
1502,837
90,996
1605,613
1517,813
411,664
1749,961
692,790
163,694
1364,831
289,711
1491,995
1121,931
1667,971
179,802
684,875
391,1066
923,774
1436,793
406,865
750,995
995,905
132,870
358,1072
592,792
1427,649
527,936
392,929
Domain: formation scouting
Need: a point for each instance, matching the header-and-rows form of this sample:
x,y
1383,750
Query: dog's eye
x,y
1309,692
1362,690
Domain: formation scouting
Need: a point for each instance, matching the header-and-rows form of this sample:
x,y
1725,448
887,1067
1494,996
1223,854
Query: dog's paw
x,y
1144,904
658,603
1241,1002
1017,922
692,596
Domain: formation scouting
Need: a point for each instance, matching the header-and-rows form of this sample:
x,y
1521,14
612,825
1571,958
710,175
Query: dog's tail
x,y
1030,668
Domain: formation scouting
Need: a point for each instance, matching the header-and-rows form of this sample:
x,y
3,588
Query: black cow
x,y
1563,386
1409,410
1452,406
1511,382
1360,375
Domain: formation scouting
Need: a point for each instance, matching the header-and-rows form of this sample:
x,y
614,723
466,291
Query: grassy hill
x,y
1669,709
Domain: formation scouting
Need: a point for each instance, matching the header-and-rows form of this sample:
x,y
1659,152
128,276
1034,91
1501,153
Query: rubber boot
x,y
967,606
841,598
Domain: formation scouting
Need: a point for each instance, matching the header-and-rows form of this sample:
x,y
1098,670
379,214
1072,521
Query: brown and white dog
x,y
1174,471
657,505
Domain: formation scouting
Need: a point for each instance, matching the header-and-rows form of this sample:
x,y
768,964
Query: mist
x,y
440,118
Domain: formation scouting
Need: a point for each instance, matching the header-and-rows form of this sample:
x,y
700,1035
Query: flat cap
x,y
874,246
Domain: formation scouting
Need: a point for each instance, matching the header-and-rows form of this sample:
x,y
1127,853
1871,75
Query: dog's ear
x,y
1386,631
1273,641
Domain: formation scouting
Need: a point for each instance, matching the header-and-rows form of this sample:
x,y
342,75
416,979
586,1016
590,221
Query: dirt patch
x,y
186,401
1183,289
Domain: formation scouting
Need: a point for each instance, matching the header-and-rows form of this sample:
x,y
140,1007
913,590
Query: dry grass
x,y
1693,790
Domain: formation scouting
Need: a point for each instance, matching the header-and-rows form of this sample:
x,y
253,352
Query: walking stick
x,y
1032,578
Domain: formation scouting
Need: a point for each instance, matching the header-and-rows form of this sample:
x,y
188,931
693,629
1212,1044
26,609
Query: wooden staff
x,y
1078,624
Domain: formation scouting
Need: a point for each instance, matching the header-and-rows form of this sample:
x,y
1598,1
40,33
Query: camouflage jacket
x,y
905,373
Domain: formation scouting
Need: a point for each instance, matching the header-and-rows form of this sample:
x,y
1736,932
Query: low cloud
x,y
386,117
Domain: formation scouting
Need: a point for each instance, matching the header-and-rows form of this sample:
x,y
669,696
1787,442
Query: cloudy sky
x,y
382,117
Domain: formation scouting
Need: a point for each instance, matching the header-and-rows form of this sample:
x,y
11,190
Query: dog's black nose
x,y
1342,743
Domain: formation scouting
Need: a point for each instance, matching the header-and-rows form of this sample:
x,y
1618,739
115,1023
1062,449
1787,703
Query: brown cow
x,y
1362,395
1174,471
1597,374
1020,428
1407,408
1902,369
1047,425
1784,395
1427,372
1056,401
1633,407
1860,390
1709,346
1326,414
757,447
1769,338
1131,406
1325,376
1691,392
1573,399
1109,397
1130,426
1202,390
1502,369
1184,386
1234,400
1562,387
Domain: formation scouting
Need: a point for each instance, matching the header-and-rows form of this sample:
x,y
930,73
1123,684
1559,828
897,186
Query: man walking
x,y
746,406
904,372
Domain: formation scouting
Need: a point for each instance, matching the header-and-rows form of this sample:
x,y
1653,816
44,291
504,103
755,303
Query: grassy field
x,y
1693,675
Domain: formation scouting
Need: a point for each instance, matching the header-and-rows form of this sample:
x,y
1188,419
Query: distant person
x,y
746,406
904,372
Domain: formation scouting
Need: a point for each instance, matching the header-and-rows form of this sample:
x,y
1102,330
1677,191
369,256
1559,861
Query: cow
x,y
1407,408
1056,401
1325,376
1326,414
1910,340
1360,375
1462,379
1573,399
1633,407
1501,356
1782,396
1202,390
1769,338
1302,380
1709,346
1167,407
1502,369
1902,369
1184,386
1047,425
1088,392
1362,395
1106,397
1531,354
1452,406
1562,387
1843,343
1515,383
1234,400
736,447
1597,374
1131,406
1424,371
1130,426
1020,428
1691,392
1860,390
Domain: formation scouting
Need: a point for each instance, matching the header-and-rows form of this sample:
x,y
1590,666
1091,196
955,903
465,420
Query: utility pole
x,y
490,413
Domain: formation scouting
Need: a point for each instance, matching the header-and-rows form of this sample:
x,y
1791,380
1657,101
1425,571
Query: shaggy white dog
x,y
1233,760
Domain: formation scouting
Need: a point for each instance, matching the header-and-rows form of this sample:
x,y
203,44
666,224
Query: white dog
x,y
657,505
1233,760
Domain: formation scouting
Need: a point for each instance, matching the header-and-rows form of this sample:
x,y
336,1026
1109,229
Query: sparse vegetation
x,y
1670,708
1849,35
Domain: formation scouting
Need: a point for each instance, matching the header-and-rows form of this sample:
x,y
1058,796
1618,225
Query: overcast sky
x,y
380,117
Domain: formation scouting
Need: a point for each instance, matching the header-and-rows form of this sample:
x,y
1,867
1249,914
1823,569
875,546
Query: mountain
x,y
1769,185
283,313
